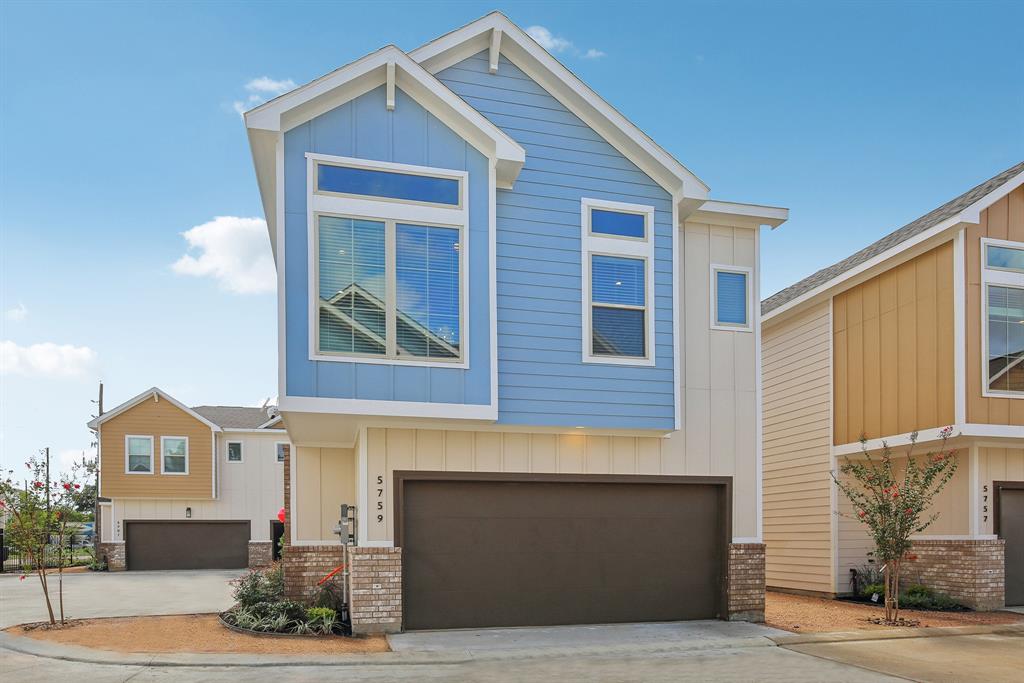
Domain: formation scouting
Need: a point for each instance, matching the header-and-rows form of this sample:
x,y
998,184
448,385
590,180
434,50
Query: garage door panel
x,y
500,553
187,544
1011,529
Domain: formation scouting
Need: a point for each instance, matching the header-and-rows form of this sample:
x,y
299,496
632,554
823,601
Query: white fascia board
x,y
757,214
149,393
351,406
971,214
568,89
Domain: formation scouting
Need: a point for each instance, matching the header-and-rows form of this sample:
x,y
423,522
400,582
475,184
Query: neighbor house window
x,y
138,454
174,451
1003,317
282,451
730,298
389,288
618,259
234,451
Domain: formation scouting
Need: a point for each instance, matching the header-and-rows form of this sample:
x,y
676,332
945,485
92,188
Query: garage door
x,y
187,545
1011,528
544,551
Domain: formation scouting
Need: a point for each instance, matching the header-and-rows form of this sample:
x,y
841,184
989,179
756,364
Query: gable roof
x,y
497,32
965,208
238,417
156,393
388,65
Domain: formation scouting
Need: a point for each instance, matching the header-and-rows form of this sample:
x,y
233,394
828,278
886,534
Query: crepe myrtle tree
x,y
37,513
895,506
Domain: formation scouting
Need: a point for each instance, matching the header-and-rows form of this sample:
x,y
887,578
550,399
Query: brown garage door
x,y
559,550
187,545
1010,526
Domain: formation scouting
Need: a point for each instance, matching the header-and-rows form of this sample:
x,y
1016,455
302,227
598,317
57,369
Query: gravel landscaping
x,y
191,633
803,614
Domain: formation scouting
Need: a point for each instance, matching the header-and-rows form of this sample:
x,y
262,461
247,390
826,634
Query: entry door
x,y
535,553
1011,529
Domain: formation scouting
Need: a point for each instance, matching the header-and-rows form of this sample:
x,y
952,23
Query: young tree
x,y
894,506
36,517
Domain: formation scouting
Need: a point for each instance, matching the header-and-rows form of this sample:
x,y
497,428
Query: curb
x,y
74,653
918,632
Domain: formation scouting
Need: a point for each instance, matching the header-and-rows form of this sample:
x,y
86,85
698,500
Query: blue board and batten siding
x,y
363,128
541,377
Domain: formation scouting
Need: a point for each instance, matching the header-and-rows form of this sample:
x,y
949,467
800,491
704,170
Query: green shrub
x,y
321,619
872,588
259,587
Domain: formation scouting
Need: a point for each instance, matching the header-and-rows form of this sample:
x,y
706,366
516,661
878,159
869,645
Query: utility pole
x,y
96,497
47,483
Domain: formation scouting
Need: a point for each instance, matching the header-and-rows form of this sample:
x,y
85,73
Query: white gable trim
x,y
157,394
568,89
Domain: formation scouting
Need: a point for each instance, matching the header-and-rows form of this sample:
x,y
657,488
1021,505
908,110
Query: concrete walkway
x,y
116,594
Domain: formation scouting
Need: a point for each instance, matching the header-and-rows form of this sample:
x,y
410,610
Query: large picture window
x,y
618,253
1003,317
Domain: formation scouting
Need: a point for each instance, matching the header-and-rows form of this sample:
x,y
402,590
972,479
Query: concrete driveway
x,y
117,594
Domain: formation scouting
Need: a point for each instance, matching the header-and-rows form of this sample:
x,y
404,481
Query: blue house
x,y
514,332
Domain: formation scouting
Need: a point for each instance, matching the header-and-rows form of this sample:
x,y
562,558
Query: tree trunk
x,y
896,589
40,564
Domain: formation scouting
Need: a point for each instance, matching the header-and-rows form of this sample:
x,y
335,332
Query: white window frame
x,y
1000,277
241,452
599,244
390,212
163,455
152,453
717,268
280,443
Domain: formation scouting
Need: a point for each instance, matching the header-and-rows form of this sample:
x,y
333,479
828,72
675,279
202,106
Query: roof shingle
x,y
234,417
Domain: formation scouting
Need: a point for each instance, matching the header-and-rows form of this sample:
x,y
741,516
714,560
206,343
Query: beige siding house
x,y
189,488
921,330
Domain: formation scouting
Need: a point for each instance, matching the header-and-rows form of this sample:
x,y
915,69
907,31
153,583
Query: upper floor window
x,y
234,451
138,454
1003,317
730,298
618,282
389,277
281,449
174,451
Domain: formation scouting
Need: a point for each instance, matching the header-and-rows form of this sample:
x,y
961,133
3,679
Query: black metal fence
x,y
76,551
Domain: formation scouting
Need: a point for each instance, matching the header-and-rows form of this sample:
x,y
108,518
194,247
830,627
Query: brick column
x,y
261,554
115,556
375,589
305,565
972,572
746,582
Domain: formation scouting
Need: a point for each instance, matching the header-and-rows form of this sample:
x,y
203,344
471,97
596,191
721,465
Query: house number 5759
x,y
380,498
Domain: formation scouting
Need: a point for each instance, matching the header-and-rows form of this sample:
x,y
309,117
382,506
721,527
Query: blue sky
x,y
120,134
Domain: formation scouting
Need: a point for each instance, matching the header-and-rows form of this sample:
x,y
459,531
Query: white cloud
x,y
16,314
548,40
45,360
234,251
552,43
260,90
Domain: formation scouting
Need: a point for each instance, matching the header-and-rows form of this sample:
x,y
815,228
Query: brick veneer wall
x,y
375,589
971,572
746,582
261,554
305,565
114,552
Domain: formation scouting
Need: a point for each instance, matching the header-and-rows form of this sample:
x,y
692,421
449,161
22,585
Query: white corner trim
x,y
959,330
713,293
596,244
755,313
678,324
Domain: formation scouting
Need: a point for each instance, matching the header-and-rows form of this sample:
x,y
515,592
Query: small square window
x,y
731,297
234,451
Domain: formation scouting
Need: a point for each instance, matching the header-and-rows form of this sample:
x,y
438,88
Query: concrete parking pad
x,y
683,633
118,594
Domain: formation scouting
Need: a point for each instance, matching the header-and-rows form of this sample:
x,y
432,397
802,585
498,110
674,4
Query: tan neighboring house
x,y
922,329
189,488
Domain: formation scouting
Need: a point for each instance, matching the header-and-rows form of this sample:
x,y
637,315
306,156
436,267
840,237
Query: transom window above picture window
x,y
234,451
389,289
368,182
730,298
617,282
175,454
139,454
1003,317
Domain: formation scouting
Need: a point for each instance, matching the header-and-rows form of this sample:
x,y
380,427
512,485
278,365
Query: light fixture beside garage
x,y
188,513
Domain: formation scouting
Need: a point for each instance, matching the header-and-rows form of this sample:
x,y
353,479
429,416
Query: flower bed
x,y
261,608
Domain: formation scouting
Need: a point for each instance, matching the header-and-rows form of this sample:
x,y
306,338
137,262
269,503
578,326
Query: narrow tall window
x,y
139,454
353,286
730,298
1003,317
427,291
234,451
618,258
175,454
